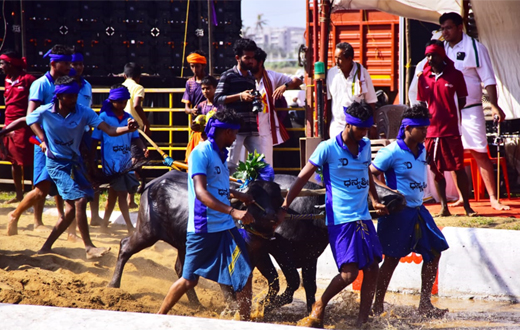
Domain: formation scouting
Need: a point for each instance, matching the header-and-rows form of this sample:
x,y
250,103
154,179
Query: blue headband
x,y
72,88
411,122
214,123
58,58
77,57
119,94
358,122
116,94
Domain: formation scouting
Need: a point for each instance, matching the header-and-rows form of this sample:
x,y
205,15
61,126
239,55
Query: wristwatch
x,y
286,85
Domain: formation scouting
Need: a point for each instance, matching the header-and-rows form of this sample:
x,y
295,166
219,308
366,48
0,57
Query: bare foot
x,y
96,221
72,238
130,229
443,213
132,205
12,226
95,252
432,312
458,203
470,212
13,200
377,310
310,322
41,228
499,206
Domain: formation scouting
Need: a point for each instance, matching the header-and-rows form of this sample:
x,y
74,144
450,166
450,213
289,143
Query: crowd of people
x,y
236,114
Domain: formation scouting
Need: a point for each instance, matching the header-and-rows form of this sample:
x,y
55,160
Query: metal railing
x,y
169,145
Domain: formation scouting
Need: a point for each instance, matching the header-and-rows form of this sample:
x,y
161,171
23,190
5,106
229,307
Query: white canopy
x,y
498,31
423,10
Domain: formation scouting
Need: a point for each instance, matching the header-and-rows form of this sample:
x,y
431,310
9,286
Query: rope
x,y
304,216
185,35
307,192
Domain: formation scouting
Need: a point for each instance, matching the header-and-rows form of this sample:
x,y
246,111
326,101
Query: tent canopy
x,y
423,10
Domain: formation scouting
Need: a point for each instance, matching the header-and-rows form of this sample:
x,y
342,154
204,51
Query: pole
x,y
210,38
499,142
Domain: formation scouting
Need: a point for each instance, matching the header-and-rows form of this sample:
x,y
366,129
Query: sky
x,y
277,13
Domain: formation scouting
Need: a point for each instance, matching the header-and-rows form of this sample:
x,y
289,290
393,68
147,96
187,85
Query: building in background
x,y
278,42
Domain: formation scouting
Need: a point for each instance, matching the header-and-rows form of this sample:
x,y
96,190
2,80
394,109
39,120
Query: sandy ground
x,y
66,278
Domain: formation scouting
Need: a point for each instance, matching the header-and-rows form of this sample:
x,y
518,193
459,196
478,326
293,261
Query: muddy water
x,y
65,278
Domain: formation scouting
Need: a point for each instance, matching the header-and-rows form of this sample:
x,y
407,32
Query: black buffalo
x,y
163,215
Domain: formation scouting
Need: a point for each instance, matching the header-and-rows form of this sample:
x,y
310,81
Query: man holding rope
x,y
212,233
412,229
344,161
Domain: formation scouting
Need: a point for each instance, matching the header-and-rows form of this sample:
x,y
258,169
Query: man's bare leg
x,y
60,226
488,176
33,198
428,275
125,212
463,185
244,299
131,201
383,280
347,275
81,217
440,185
38,212
95,219
16,171
109,207
178,288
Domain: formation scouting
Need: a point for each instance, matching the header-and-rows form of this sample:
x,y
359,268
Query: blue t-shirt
x,y
115,150
63,135
85,94
403,171
346,179
42,89
205,160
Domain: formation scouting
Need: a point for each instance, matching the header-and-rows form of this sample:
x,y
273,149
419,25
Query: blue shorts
x,y
70,178
355,242
411,230
221,257
40,172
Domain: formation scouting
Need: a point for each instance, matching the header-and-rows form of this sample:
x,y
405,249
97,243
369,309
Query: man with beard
x,y
234,90
472,59
271,86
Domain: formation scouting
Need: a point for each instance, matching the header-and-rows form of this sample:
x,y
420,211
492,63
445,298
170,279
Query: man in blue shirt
x,y
344,161
116,153
60,125
413,229
211,229
42,92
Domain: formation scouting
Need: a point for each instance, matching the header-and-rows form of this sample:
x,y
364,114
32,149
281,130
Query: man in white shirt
x,y
472,59
271,86
347,82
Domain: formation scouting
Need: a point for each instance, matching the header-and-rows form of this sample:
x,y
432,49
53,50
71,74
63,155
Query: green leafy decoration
x,y
250,169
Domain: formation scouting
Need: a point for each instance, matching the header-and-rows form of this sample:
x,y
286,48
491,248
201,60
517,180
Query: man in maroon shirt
x,y
16,146
442,89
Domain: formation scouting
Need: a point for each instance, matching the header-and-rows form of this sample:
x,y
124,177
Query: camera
x,y
258,106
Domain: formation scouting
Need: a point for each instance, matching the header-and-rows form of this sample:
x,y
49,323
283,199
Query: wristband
x,y
231,211
286,85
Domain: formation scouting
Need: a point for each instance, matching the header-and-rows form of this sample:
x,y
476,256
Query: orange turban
x,y
196,58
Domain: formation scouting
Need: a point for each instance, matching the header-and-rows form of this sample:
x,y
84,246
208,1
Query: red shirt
x,y
17,96
441,93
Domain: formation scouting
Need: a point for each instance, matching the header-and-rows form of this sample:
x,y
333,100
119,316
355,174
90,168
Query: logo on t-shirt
x,y
218,170
408,165
343,161
65,144
418,185
122,148
223,192
358,183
